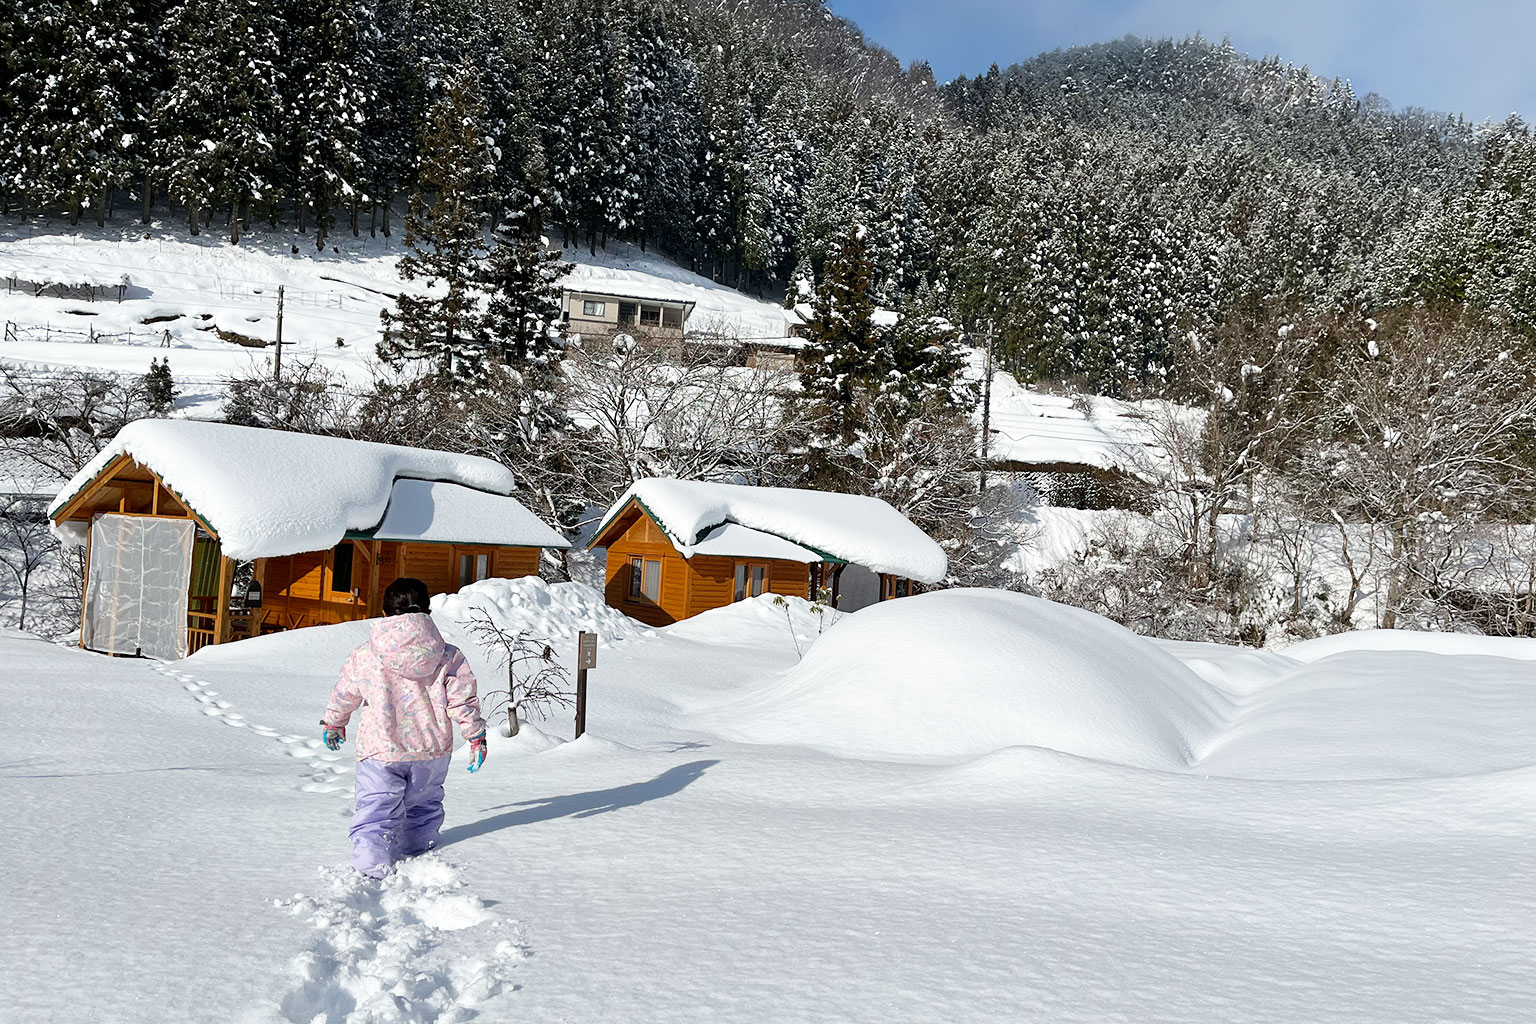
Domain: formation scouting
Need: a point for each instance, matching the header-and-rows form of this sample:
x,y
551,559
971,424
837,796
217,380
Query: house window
x,y
644,579
751,581
341,568
590,307
671,317
627,313
650,316
473,568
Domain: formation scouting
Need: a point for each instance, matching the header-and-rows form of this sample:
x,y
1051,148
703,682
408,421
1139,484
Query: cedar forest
x,y
1348,291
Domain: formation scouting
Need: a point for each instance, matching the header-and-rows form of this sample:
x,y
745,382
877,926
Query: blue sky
x,y
1473,57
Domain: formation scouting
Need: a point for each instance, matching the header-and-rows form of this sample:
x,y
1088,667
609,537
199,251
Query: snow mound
x,y
1448,644
961,673
550,611
767,620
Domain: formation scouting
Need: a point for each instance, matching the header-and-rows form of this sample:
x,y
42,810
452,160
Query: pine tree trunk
x,y
149,197
192,216
354,218
74,210
234,222
101,208
373,219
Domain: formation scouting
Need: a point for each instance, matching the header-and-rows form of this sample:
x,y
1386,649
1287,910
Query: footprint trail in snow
x,y
326,768
416,948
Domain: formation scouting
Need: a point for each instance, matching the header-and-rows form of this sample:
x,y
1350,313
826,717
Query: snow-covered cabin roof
x,y
847,527
269,493
426,510
732,540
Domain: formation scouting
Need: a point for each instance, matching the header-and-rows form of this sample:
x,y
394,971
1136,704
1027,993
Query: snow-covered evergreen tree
x,y
330,92
218,123
445,238
843,354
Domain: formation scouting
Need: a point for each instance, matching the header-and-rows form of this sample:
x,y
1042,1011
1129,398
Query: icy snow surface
x,y
270,493
1353,843
857,529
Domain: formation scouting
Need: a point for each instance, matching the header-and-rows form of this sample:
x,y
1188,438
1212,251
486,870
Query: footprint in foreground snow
x,y
412,948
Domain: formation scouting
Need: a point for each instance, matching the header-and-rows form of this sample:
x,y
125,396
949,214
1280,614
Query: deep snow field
x,y
965,806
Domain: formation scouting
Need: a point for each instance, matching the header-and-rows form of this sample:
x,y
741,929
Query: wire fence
x,y
47,332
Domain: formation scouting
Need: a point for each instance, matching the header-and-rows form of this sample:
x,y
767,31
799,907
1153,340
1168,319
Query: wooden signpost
x,y
586,657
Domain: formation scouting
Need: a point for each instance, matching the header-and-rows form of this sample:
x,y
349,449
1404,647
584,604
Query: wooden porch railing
x,y
200,630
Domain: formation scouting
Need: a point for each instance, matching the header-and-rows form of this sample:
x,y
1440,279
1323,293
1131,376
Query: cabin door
x,y
136,590
858,587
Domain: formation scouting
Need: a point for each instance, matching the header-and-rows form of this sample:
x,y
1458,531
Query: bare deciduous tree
x,y
1423,444
26,545
643,410
68,415
536,682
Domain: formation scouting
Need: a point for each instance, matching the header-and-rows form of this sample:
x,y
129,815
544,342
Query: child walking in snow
x,y
410,685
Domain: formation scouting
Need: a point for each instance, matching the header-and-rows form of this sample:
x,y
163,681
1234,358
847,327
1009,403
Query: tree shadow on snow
x,y
581,805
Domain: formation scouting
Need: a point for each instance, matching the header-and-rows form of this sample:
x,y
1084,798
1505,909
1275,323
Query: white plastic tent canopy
x,y
136,600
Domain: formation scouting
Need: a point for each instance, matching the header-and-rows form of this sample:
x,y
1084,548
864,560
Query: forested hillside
x,y
1341,296
1096,204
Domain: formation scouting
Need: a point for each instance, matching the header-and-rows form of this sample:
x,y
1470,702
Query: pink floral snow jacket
x,y
410,684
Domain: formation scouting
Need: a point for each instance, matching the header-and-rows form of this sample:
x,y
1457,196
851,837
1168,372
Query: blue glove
x,y
476,752
333,736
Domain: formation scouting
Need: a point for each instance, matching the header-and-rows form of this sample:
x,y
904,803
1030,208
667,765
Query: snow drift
x,y
555,611
961,673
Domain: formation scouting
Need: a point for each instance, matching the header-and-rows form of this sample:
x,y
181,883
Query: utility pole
x,y
986,411
277,359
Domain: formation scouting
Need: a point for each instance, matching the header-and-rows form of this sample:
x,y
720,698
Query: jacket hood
x,y
408,645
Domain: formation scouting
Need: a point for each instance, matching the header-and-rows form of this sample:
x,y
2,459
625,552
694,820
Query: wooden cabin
x,y
676,548
202,533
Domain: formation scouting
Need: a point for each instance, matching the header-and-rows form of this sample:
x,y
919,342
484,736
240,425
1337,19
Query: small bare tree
x,y
26,545
536,682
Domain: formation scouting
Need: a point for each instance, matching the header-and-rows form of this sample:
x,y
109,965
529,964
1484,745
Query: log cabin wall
x,y
307,589
687,586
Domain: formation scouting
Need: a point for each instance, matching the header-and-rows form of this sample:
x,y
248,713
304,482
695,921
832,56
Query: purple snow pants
x,y
399,811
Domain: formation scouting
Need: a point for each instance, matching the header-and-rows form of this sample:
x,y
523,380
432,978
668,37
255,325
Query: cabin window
x,y
903,587
751,581
671,317
627,313
591,307
473,568
341,568
644,579
650,316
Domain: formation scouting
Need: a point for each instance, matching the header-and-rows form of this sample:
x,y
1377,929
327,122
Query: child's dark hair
x,y
406,595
